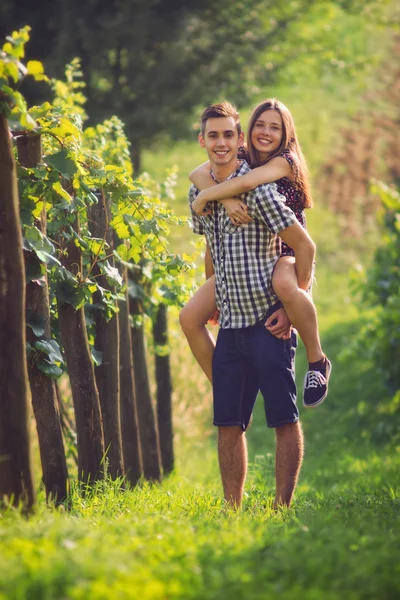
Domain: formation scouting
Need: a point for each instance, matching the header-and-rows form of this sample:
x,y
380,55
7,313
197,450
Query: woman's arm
x,y
272,171
201,177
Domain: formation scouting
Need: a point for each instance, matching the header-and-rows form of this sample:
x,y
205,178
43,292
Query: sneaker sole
x,y
328,374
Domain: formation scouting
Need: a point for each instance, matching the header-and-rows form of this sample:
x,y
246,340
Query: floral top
x,y
294,200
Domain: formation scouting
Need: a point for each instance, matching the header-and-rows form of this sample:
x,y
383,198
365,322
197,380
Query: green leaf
x,y
96,245
97,356
135,290
90,314
51,348
112,274
34,67
40,244
26,121
120,227
37,112
34,271
58,188
36,322
62,163
12,70
49,369
74,295
66,128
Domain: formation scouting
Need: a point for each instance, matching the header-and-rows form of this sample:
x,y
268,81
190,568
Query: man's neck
x,y
222,172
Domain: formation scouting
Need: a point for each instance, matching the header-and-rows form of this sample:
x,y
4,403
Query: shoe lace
x,y
314,379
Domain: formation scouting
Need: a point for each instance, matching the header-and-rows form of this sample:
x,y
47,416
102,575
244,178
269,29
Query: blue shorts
x,y
247,361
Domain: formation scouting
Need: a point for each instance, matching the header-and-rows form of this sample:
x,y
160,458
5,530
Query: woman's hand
x,y
199,207
237,211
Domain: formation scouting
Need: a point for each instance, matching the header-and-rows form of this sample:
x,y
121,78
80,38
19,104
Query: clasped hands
x,y
236,209
277,324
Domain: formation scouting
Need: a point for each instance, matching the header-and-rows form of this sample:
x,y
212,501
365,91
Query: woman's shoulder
x,y
287,155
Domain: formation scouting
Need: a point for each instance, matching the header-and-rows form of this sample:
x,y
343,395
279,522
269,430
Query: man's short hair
x,y
222,109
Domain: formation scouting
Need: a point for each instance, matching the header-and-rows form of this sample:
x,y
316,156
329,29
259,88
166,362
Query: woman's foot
x,y
316,382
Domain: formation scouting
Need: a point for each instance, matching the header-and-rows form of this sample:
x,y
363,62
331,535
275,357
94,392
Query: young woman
x,y
274,154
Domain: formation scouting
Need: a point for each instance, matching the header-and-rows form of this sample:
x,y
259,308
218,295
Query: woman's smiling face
x,y
267,133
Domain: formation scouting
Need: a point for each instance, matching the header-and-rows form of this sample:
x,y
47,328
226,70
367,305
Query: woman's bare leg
x,y
193,319
298,305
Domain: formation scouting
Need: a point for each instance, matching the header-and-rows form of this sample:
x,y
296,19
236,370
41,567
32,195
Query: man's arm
x,y
304,248
209,267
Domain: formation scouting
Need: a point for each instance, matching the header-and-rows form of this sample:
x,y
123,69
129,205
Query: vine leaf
x,y
49,369
36,322
62,163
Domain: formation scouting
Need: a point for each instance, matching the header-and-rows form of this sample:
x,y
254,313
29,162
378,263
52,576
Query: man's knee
x,y
288,430
230,435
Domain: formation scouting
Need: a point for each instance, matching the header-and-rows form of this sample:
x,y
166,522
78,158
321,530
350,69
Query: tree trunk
x,y
136,158
164,390
16,480
107,342
129,419
147,425
43,389
85,396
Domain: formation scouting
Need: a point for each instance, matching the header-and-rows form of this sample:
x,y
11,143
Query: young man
x,y
249,357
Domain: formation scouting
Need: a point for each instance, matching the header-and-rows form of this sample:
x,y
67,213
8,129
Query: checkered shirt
x,y
244,256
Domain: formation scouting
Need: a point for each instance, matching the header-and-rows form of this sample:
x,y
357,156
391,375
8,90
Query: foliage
x,y
379,285
159,61
77,168
12,71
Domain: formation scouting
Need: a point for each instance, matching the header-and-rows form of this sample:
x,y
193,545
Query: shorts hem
x,y
230,424
283,423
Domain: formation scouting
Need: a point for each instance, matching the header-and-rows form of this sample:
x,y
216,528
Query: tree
x,y
160,59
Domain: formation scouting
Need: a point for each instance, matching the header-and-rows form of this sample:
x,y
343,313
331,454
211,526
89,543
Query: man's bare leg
x,y
232,453
289,456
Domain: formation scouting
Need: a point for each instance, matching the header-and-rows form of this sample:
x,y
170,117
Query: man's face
x,y
221,140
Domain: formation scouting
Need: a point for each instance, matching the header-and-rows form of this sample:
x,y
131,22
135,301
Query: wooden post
x,y
16,479
43,389
129,419
164,390
107,342
85,396
147,425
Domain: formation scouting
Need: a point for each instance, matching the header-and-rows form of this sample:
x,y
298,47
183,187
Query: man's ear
x,y
241,139
201,141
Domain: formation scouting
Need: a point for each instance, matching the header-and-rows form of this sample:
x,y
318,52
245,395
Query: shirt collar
x,y
241,170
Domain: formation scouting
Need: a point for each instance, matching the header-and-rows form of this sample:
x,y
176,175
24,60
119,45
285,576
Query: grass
x,y
177,540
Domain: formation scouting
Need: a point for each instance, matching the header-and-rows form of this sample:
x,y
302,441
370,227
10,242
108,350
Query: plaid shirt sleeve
x,y
197,222
271,208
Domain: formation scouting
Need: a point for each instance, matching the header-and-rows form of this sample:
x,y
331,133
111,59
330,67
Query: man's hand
x,y
214,318
279,325
200,209
237,211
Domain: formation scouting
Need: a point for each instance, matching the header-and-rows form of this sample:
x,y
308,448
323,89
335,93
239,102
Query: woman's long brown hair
x,y
289,143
